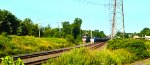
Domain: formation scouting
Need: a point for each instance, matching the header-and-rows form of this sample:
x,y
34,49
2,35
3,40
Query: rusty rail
x,y
54,54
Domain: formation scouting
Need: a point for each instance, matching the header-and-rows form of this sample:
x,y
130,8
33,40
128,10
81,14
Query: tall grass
x,y
9,61
85,56
124,51
110,56
13,45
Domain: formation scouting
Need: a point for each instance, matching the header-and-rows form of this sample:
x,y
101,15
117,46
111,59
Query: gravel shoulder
x,y
102,47
142,62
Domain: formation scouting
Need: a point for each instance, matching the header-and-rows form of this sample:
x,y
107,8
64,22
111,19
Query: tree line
x,y
11,25
144,32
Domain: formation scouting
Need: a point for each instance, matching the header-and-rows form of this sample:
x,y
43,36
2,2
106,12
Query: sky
x,y
92,12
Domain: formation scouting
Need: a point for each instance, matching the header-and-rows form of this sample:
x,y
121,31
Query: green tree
x,y
119,34
86,32
95,33
99,34
70,39
35,30
127,35
145,31
47,31
56,32
8,22
66,30
27,26
76,27
102,34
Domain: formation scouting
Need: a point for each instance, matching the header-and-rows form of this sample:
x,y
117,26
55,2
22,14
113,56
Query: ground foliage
x,y
14,45
138,47
118,52
9,61
124,51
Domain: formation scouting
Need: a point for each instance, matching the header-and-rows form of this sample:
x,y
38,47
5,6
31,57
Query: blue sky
x,y
137,13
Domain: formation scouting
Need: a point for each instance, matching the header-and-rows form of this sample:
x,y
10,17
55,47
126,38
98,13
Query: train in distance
x,y
94,39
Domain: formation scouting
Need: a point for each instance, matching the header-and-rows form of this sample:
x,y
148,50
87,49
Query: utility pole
x,y
39,30
39,26
59,29
91,18
91,37
123,19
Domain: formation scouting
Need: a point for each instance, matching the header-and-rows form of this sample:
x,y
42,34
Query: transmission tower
x,y
116,17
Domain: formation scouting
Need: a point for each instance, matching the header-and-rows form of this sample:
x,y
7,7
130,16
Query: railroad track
x,y
40,57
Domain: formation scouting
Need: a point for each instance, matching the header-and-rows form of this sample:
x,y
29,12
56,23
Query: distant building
x,y
147,37
136,37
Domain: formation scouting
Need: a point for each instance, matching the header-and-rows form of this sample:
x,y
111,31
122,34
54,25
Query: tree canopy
x,y
145,31
11,25
8,22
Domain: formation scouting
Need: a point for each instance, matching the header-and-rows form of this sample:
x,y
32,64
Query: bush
x,y
9,61
4,33
70,39
137,47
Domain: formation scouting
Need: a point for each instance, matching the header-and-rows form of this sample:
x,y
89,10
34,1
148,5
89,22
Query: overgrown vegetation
x,y
13,45
138,47
84,56
9,61
118,52
80,56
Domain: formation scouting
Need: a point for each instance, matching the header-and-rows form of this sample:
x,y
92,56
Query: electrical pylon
x,y
116,17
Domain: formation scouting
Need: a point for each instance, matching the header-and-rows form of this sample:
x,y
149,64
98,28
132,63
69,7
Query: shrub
x,y
137,47
9,61
4,33
70,39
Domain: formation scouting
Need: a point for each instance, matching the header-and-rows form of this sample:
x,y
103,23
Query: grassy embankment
x,y
118,52
14,45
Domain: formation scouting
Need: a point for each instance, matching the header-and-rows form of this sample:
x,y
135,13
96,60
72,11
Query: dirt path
x,y
102,47
142,62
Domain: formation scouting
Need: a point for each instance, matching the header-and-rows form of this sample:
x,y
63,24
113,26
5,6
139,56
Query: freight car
x,y
96,39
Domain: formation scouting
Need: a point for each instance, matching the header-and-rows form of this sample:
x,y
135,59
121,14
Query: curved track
x,y
40,57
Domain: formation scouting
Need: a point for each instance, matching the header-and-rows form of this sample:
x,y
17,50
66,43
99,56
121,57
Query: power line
x,y
92,2
59,30
39,28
